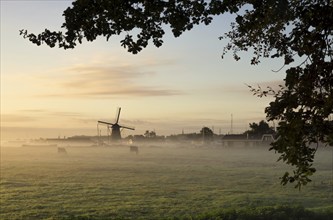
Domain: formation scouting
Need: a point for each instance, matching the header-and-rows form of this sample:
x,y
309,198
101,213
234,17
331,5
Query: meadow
x,y
161,182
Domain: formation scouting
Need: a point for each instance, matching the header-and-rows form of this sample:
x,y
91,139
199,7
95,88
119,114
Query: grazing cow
x,y
62,150
134,149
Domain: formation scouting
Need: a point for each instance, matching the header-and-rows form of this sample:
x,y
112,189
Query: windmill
x,y
115,127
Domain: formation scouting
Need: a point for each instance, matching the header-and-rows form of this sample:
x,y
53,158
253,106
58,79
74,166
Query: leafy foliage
x,y
297,31
259,129
141,20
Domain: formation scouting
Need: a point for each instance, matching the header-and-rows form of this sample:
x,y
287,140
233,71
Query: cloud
x,y
41,116
16,118
50,113
107,81
46,118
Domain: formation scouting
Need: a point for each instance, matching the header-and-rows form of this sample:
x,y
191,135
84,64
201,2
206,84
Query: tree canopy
x,y
207,133
258,130
297,31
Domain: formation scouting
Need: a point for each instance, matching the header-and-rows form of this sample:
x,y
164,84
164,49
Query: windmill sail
x,y
103,122
117,115
126,127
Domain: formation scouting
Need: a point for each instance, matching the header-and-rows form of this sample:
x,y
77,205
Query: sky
x,y
181,86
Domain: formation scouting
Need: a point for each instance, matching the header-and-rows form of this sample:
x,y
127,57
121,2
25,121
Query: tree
x,y
150,134
259,129
207,133
297,31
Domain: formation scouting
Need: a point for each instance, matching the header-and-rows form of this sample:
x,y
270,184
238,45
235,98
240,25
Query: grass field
x,y
159,183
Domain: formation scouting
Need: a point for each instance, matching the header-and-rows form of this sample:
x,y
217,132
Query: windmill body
x,y
115,127
115,135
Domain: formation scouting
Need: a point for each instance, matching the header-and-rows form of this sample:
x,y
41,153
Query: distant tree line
x,y
258,130
206,134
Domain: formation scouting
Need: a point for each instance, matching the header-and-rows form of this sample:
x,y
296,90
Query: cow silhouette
x,y
134,149
62,150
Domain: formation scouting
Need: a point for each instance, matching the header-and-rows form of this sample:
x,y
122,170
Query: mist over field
x,y
162,181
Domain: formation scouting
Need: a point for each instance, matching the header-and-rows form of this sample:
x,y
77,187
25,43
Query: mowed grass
x,y
158,183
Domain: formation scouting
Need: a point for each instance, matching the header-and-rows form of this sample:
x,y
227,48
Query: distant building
x,y
246,140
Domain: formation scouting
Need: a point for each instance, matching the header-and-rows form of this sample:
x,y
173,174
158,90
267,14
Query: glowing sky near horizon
x,y
183,85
